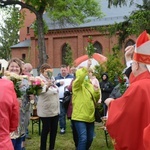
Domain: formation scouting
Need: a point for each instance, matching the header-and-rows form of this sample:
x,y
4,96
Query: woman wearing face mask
x,y
84,97
48,108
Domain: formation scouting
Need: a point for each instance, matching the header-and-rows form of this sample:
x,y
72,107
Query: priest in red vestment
x,y
129,115
146,137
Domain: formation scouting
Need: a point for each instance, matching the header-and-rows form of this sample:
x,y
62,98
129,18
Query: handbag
x,y
97,113
67,99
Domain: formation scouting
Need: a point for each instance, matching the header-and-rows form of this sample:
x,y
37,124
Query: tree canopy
x,y
9,31
138,21
62,11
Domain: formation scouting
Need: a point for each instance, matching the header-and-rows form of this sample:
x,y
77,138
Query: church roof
x,y
26,43
112,15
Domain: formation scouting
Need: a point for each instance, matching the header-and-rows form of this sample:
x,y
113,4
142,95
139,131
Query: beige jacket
x,y
48,101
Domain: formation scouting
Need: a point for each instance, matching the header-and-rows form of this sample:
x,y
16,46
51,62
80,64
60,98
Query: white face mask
x,y
86,77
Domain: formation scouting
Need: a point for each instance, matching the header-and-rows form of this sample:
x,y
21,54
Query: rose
x,y
35,86
90,49
90,40
122,82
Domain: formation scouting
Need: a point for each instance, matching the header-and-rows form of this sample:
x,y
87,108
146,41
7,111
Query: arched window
x,y
23,56
129,42
64,49
98,47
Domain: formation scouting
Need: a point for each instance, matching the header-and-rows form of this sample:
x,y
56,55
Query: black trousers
x,y
49,126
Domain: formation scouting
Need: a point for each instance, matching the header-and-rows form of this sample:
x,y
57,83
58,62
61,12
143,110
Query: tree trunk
x,y
41,40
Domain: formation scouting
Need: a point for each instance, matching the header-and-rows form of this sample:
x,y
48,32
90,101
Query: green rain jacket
x,y
83,91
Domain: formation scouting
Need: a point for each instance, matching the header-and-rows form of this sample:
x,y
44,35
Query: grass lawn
x,y
65,142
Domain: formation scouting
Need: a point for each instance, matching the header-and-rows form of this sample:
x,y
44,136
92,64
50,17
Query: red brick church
x,y
75,36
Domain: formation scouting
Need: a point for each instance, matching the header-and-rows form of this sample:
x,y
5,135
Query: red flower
x,y
90,40
90,48
121,80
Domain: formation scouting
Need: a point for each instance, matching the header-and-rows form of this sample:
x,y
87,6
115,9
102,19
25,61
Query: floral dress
x,y
24,112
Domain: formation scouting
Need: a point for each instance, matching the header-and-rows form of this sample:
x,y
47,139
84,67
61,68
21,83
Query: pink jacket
x,y
9,113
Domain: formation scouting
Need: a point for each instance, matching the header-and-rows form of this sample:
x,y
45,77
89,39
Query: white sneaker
x,y
62,131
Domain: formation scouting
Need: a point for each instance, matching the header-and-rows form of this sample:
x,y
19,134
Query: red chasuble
x,y
146,137
130,114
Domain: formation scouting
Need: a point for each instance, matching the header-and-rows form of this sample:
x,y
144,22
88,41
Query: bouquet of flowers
x,y
16,79
49,73
35,86
90,49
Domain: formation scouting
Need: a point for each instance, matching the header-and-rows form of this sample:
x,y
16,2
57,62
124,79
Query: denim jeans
x,y
62,116
74,133
17,143
85,133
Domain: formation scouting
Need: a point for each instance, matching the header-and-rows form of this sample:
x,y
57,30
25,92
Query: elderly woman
x,y
48,108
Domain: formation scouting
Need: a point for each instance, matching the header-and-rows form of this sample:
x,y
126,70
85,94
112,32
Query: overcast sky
x,y
1,16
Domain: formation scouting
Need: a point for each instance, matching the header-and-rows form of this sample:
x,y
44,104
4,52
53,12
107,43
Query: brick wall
x,y
77,38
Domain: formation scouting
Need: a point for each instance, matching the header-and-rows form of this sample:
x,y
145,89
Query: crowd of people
x,y
127,113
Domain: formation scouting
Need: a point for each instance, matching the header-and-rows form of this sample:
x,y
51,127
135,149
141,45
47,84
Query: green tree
x,y
138,21
62,11
9,31
113,66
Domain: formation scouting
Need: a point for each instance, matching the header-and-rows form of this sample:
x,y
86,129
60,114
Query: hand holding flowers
x,y
35,86
49,73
